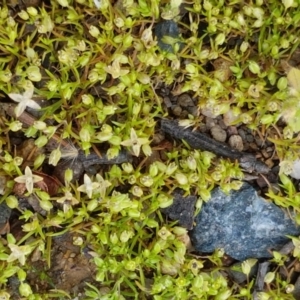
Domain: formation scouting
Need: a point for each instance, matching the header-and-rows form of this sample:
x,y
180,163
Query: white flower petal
x,y
29,92
16,97
20,108
32,104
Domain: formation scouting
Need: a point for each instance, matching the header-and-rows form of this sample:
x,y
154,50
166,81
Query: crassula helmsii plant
x,y
92,71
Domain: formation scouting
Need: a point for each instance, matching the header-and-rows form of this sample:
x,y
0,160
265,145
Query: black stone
x,y
167,29
182,209
243,224
5,212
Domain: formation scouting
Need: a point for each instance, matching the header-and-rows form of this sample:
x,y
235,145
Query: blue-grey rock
x,y
167,29
243,224
5,212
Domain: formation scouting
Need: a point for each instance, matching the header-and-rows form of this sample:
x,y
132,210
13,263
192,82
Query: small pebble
x,y
210,122
207,112
258,141
236,142
229,118
184,114
193,110
249,138
185,100
231,130
218,133
167,102
253,146
177,110
222,124
242,134
157,138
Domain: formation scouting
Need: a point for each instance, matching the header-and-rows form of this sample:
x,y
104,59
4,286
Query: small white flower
x,y
88,186
24,101
29,179
135,143
18,253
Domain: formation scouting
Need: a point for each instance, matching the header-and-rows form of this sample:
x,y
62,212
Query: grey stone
x,y
182,209
218,133
166,29
5,212
243,224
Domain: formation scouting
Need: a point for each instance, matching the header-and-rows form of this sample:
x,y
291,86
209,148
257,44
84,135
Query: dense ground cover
x,y
84,77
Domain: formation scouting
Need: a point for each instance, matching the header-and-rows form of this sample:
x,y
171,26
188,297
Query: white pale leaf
x,y
293,77
16,97
29,92
33,104
20,108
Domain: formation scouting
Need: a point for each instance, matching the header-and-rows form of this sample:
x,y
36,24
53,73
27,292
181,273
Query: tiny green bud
x,y
127,41
68,175
274,51
269,277
94,31
15,126
119,22
282,83
87,99
127,167
171,168
46,205
96,228
137,191
39,160
164,200
77,240
267,119
207,5
130,265
55,157
224,295
93,75
18,160
204,194
12,202
84,135
181,178
289,288
191,163
220,39
25,289
244,46
136,108
146,180
23,15
32,11
254,67
109,110
153,171
41,141
5,76
272,106
92,205
114,238
34,74
52,85
132,179
63,3
134,213
39,125
288,3
125,236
